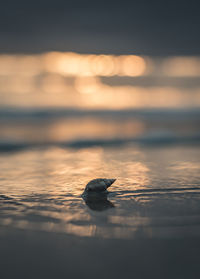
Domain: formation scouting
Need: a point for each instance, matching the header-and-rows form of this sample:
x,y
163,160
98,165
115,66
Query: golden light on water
x,y
98,65
182,66
72,64
93,128
104,65
87,85
27,65
53,84
132,65
97,81
17,84
68,64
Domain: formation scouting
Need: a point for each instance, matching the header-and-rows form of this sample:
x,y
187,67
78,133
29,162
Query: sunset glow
x,y
97,81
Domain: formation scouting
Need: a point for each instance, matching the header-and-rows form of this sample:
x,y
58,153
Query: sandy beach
x,y
149,219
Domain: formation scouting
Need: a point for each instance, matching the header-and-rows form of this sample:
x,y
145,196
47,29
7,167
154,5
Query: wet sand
x,y
147,227
54,255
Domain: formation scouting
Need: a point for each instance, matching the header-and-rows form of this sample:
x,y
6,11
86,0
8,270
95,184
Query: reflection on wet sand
x,y
98,202
41,191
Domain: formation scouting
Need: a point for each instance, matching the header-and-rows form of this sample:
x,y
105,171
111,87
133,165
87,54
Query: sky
x,y
157,28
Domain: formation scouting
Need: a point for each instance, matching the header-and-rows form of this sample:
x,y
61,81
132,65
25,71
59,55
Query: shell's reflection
x,y
97,201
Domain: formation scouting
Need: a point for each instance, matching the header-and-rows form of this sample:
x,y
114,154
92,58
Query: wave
x,y
161,127
55,113
157,191
153,139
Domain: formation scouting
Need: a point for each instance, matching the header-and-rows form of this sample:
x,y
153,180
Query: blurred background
x,y
90,72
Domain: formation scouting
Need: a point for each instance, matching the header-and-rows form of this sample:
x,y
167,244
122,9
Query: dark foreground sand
x,y
148,228
48,255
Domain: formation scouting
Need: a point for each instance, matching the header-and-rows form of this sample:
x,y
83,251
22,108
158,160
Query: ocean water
x,y
59,129
23,128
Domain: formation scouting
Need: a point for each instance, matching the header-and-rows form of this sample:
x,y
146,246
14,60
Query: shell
x,y
99,185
